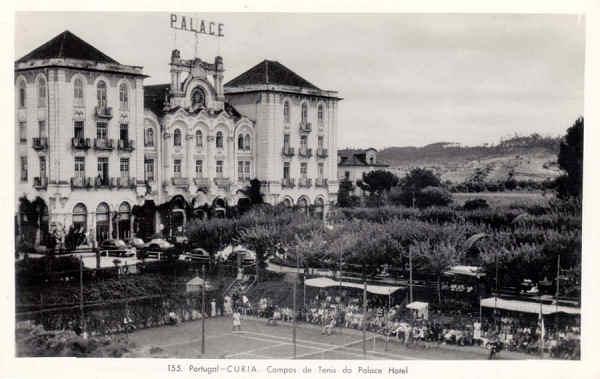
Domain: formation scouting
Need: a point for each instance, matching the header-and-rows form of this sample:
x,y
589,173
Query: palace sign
x,y
197,26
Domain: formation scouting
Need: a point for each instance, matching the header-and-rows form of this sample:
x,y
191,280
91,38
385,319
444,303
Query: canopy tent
x,y
196,284
420,307
527,306
327,282
466,270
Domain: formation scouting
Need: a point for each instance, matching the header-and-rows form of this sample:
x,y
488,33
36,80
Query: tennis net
x,y
352,350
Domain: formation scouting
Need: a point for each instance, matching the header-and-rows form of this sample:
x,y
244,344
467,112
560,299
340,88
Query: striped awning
x,y
374,289
527,306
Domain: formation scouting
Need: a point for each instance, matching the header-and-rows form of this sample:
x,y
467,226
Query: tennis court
x,y
258,340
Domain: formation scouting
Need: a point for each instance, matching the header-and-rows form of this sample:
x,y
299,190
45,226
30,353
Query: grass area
x,y
503,199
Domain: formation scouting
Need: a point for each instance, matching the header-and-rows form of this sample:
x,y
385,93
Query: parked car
x,y
247,258
197,255
138,243
116,248
158,248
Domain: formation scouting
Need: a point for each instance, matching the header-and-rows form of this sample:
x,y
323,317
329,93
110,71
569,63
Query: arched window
x,y
287,203
304,113
219,140
78,92
42,92
22,94
102,222
149,137
199,138
80,216
198,98
247,142
302,204
241,142
123,96
124,225
286,111
177,137
101,94
320,113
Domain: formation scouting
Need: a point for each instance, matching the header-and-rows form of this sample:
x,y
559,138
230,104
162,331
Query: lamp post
x,y
294,300
364,320
203,313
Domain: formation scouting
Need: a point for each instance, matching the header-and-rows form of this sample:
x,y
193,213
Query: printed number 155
x,y
173,368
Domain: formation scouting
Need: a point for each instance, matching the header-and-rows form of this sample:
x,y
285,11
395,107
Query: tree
x,y
377,182
262,239
413,183
570,159
434,259
346,198
253,192
433,196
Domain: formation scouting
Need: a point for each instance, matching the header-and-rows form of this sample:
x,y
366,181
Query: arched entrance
x,y
319,208
287,202
302,205
80,217
219,207
102,222
124,223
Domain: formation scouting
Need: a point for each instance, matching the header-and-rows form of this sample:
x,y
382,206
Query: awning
x,y
326,282
466,270
417,305
527,306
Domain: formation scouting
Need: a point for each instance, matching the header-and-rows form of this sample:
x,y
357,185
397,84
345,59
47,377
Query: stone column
x,y
188,156
210,157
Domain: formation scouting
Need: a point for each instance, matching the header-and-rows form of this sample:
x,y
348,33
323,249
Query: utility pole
x,y
410,281
294,300
82,322
203,313
364,320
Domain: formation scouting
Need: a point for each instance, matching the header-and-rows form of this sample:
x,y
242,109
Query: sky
x,y
405,79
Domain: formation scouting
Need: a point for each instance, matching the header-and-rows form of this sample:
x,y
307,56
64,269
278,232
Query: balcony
x,y
287,151
202,182
81,182
126,182
102,182
305,183
305,127
80,143
243,179
40,182
305,152
183,183
321,182
126,145
288,183
223,183
322,152
103,112
103,144
40,143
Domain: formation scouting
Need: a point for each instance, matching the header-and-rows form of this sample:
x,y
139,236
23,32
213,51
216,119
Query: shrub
x,y
476,204
433,196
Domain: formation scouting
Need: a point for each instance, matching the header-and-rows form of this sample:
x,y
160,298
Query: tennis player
x,y
237,324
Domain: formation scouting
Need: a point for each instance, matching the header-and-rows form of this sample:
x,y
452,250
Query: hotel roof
x,y
270,72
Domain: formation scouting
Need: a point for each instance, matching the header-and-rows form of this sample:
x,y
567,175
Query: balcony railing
x,y
305,182
322,152
288,183
126,145
103,112
287,151
243,179
223,183
102,182
125,182
180,182
40,182
40,143
81,182
305,127
202,182
80,143
103,144
305,152
321,182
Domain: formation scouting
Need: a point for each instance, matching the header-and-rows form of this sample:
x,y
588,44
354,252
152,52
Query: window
x,y
42,129
149,137
347,175
123,96
247,142
303,142
103,170
286,170
198,98
101,94
177,168
304,113
101,130
42,167
320,113
80,217
220,169
198,169
247,169
22,94
23,169
78,92
42,92
320,141
124,132
124,167
321,170
303,169
149,170
240,171
80,167
286,141
22,132
240,142
78,129
286,111
219,140
177,137
199,138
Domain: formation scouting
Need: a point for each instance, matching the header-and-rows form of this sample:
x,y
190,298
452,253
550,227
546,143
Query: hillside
x,y
527,158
